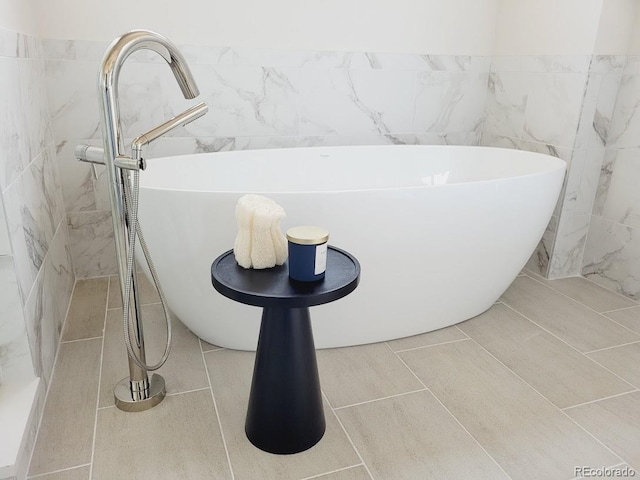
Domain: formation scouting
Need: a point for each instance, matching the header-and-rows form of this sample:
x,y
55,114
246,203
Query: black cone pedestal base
x,y
285,413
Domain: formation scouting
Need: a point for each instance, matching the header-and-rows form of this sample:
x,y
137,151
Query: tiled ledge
x,y
19,422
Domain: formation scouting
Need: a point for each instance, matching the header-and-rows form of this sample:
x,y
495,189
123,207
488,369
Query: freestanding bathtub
x,y
440,231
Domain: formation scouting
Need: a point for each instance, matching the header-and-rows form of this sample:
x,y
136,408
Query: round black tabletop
x,y
272,287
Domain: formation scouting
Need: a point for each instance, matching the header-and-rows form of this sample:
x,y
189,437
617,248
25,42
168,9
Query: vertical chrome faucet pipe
x,y
140,393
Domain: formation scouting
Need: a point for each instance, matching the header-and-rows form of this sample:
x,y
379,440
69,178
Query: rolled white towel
x,y
259,242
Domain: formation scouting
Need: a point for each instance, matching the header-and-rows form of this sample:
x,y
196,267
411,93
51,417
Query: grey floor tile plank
x,y
66,432
370,371
615,422
354,473
557,371
80,473
624,361
148,293
629,317
230,372
569,320
179,438
525,434
589,294
86,311
184,370
449,334
413,436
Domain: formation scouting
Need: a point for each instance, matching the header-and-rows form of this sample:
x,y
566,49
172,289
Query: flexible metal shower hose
x,y
131,207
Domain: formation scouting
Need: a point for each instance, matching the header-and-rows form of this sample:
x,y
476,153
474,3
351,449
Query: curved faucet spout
x,y
136,40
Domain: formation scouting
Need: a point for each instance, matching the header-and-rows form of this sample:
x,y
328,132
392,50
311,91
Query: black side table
x,y
285,413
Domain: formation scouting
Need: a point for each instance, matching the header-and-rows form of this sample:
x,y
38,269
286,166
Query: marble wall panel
x,y
92,246
612,256
612,247
625,129
33,206
15,354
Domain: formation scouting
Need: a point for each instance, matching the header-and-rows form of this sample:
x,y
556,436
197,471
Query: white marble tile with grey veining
x,y
589,181
604,179
622,204
587,134
609,64
14,133
553,108
625,124
33,208
612,256
449,101
568,249
59,275
248,101
489,139
506,101
368,101
539,260
33,101
72,97
541,63
92,247
42,327
15,354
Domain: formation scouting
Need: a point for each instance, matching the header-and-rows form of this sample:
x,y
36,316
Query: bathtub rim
x,y
554,164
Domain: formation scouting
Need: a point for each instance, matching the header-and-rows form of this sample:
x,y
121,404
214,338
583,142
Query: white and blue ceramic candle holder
x,y
307,253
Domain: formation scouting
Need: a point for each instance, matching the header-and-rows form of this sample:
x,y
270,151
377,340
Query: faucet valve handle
x,y
90,154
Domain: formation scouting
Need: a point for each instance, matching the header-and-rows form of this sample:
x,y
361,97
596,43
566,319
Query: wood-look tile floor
x,y
545,382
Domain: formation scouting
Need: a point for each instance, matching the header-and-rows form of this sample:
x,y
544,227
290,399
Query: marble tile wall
x,y
560,105
34,212
612,253
257,99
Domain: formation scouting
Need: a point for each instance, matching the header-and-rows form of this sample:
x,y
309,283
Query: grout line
x,y
454,417
187,391
106,407
568,345
205,351
53,370
583,305
347,434
558,409
600,399
620,309
81,339
542,279
334,471
95,422
215,407
382,398
427,346
59,471
610,348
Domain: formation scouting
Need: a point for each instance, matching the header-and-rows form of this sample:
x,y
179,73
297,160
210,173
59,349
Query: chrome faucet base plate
x,y
124,398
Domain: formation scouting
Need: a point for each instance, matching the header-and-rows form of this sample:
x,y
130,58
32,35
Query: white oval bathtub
x,y
440,231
